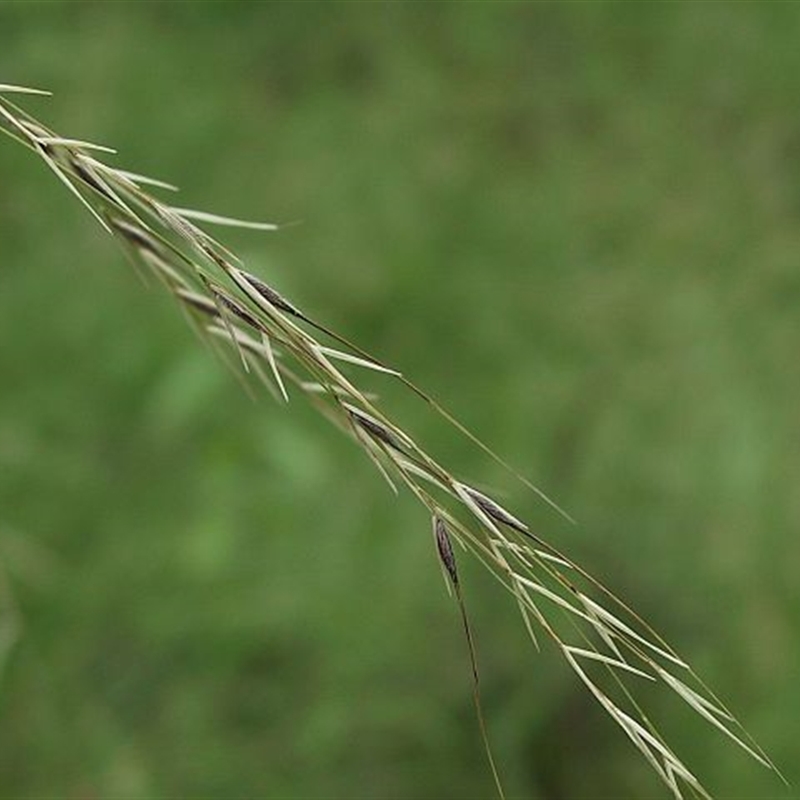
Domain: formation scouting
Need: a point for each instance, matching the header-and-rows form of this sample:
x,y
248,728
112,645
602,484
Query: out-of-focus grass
x,y
576,224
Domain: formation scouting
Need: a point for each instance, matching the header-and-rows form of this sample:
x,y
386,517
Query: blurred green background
x,y
576,224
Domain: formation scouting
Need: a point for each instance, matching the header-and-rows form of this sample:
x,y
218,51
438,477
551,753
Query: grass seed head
x,y
166,239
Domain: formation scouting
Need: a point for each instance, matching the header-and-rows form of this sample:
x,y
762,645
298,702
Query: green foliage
x,y
577,225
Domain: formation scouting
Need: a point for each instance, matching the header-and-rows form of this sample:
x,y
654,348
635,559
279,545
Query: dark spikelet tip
x,y
239,311
445,548
496,511
373,427
270,295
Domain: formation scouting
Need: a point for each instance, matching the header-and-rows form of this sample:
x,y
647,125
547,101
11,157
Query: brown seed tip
x,y
237,309
269,294
445,548
373,427
495,510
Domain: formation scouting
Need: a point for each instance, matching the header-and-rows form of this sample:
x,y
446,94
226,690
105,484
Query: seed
x,y
269,294
445,548
494,510
238,310
374,427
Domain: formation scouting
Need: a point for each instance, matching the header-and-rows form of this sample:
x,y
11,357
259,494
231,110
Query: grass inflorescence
x,y
268,341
